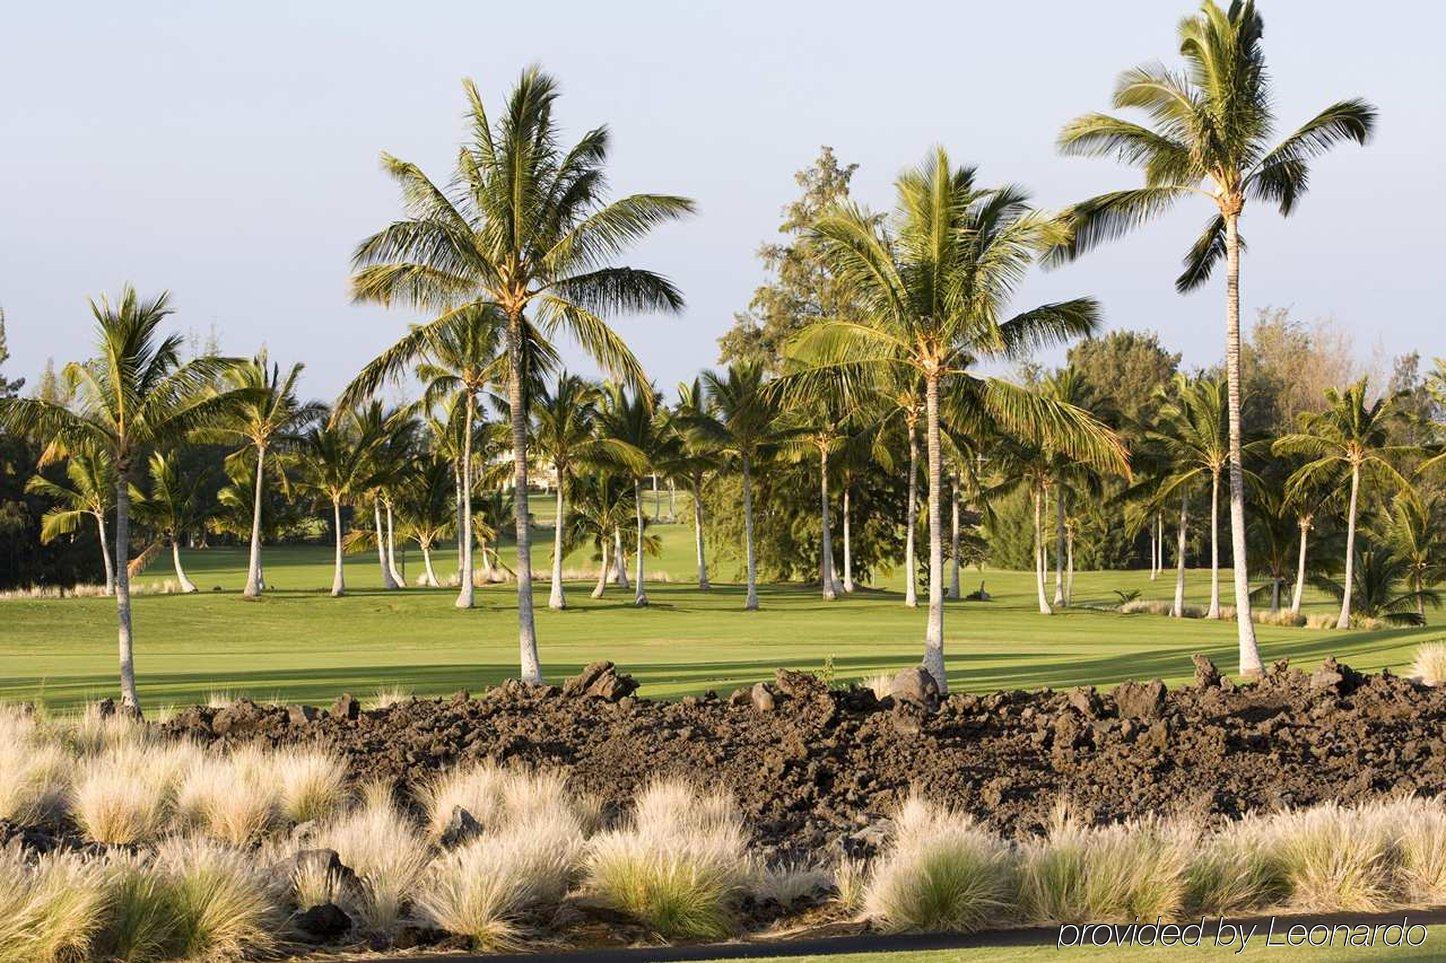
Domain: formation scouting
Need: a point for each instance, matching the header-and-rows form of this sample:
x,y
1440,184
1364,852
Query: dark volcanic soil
x,y
815,769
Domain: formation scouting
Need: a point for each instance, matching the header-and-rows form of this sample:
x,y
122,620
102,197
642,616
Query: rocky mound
x,y
816,768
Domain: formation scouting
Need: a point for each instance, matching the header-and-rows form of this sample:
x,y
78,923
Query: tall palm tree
x,y
566,418
933,285
334,459
633,425
274,419
526,231
815,413
1349,441
426,507
91,492
134,397
601,507
1416,530
694,460
1209,137
1382,588
743,421
172,507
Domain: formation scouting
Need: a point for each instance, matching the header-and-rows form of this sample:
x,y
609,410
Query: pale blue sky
x,y
228,152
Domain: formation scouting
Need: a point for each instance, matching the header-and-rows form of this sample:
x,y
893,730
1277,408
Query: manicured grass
x,y
299,644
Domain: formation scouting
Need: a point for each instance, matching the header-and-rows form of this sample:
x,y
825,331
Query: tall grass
x,y
386,852
1430,665
225,905
51,909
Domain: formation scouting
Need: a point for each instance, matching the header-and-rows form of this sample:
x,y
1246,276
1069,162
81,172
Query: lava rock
x,y
300,715
761,697
321,924
1140,700
461,826
1206,675
346,706
916,686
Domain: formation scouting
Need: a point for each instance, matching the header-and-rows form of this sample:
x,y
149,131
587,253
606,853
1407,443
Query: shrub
x,y
942,872
224,905
679,867
1333,859
1134,870
1430,665
49,910
1419,828
385,852
34,773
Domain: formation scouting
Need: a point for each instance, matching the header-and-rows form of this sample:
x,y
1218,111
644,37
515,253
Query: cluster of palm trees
x,y
519,247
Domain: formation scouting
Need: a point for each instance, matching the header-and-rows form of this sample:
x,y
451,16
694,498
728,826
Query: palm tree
x,y
526,232
91,492
1210,138
694,460
567,415
1381,588
932,287
134,397
600,503
425,503
638,433
1350,439
815,415
335,462
1416,531
743,421
1193,436
172,507
275,418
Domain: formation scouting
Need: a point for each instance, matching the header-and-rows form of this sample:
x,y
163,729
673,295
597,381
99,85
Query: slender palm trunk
x,y
397,575
640,594
1344,622
698,535
602,572
430,573
1214,611
1059,545
466,591
105,554
954,590
1069,567
751,602
1275,593
848,562
1179,610
387,581
1039,552
911,522
1250,664
338,573
672,502
934,634
1155,548
129,697
826,553
620,561
526,625
253,566
187,586
1296,595
1420,580
556,599
489,572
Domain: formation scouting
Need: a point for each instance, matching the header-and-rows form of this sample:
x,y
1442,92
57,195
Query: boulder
x,y
600,680
300,715
740,696
321,924
1140,700
1206,675
800,685
915,686
1086,701
1335,676
317,862
761,696
461,826
346,706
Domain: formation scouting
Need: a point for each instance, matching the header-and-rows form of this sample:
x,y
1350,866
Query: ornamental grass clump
x,y
1430,664
225,905
1420,830
388,855
50,909
35,772
311,784
941,872
679,866
232,798
1234,870
126,795
496,797
141,911
1334,858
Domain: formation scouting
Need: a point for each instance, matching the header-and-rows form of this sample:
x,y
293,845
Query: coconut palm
x,y
1209,137
744,422
820,432
933,285
601,506
91,492
1416,532
134,397
633,424
274,419
566,416
172,507
525,231
426,506
693,461
1348,441
1380,587
334,462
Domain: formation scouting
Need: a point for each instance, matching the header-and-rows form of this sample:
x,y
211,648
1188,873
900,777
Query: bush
x,y
312,784
34,773
126,795
233,799
679,867
942,873
1234,870
141,911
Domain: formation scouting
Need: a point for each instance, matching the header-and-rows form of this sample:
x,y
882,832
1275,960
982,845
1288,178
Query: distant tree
x,y
426,507
1286,366
172,507
1415,529
1378,587
638,435
1124,371
8,387
91,492
334,461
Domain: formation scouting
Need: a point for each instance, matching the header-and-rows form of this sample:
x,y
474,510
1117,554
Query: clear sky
x,y
228,152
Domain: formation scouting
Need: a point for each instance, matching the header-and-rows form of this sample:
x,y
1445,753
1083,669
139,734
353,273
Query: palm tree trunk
x,y
954,591
848,562
672,502
934,634
1420,595
1155,536
1069,567
1044,608
1295,597
253,566
129,697
1275,593
489,573
105,554
698,535
1344,622
640,593
526,625
750,604
825,559
1059,544
620,561
1250,664
1214,611
338,574
397,575
187,586
602,572
557,600
911,572
1179,610
431,575
387,581
461,523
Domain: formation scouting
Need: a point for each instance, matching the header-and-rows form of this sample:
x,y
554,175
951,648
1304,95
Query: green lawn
x,y
299,644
